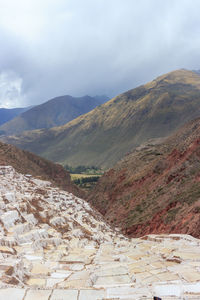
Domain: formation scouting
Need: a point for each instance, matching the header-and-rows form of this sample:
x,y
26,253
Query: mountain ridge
x,y
105,134
54,112
7,114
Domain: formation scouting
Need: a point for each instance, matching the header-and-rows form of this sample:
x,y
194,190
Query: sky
x,y
50,48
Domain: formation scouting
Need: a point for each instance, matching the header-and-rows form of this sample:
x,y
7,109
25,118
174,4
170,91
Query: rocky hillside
x,y
54,112
156,188
53,245
104,135
28,163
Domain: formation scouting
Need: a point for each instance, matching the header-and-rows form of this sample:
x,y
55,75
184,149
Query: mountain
x,y
105,134
29,163
7,114
54,112
56,246
197,71
156,188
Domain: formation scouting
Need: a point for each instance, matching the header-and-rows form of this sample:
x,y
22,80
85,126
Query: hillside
x,y
7,114
104,135
156,188
54,112
29,163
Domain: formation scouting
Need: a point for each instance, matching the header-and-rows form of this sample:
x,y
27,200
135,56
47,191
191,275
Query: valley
x,y
99,150
112,208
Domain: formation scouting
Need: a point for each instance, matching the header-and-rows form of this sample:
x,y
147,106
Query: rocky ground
x,y
54,246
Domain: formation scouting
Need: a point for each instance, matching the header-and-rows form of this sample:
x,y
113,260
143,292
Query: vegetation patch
x,y
83,176
189,196
171,215
88,170
84,181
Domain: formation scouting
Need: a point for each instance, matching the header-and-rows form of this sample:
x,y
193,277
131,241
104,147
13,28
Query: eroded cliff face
x,y
156,188
54,245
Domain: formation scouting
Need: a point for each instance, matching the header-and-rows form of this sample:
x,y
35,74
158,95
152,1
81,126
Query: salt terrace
x,y
54,246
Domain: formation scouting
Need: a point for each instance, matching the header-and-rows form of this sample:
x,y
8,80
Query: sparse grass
x,y
189,196
171,215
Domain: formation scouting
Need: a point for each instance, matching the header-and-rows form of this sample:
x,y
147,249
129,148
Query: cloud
x,y
94,47
11,90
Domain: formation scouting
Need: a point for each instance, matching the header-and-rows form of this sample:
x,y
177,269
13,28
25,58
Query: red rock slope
x,y
156,188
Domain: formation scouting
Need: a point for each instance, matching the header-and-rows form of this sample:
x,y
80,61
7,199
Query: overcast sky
x,y
50,48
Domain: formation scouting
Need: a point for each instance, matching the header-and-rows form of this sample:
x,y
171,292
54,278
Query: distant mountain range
x,y
7,114
104,135
197,71
54,112
156,188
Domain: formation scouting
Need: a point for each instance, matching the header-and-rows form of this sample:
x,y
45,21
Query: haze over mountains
x,y
7,114
54,112
105,134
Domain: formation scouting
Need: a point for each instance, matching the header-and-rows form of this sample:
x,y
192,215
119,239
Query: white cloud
x,y
11,90
95,47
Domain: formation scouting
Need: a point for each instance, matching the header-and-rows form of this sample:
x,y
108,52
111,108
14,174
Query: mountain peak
x,y
54,112
179,76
